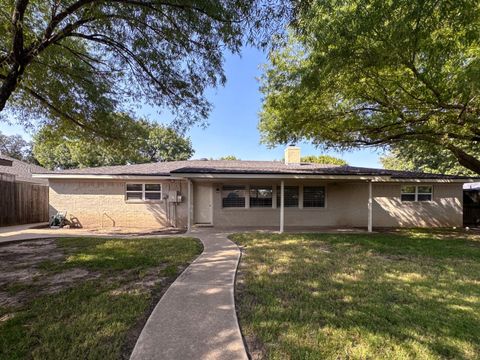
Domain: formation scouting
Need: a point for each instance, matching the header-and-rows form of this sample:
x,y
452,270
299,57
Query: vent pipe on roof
x,y
292,155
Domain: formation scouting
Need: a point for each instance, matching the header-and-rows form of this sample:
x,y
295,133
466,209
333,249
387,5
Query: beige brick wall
x,y
102,203
97,203
346,206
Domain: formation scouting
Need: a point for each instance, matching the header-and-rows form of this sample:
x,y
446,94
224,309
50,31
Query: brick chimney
x,y
292,155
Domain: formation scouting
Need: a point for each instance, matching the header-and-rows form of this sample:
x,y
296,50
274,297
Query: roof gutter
x,y
106,177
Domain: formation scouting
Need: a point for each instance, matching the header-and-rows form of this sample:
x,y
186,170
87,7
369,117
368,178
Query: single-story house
x,y
255,194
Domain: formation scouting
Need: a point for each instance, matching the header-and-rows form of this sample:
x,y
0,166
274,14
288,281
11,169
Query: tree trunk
x,y
465,159
9,84
18,60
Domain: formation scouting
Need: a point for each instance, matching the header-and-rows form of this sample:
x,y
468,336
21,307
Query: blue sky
x,y
233,122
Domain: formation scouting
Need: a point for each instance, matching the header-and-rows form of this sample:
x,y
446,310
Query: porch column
x,y
282,206
370,206
189,205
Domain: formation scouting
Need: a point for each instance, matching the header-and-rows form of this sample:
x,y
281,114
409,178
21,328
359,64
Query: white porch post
x,y
370,206
282,206
189,205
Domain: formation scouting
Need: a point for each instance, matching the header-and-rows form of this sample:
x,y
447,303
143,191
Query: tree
x,y
76,61
229,157
378,73
425,158
16,147
323,159
147,142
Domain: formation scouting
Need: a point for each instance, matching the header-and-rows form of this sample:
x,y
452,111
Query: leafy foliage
x,y
16,147
229,157
378,73
144,142
323,159
77,61
425,158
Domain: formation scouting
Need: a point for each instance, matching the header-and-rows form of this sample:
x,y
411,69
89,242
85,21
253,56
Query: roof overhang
x,y
105,177
372,178
220,176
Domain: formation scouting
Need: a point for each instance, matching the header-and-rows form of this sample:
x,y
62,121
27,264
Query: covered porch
x,y
296,203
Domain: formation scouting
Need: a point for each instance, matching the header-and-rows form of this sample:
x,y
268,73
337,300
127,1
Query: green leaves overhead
x,y
141,142
76,61
378,73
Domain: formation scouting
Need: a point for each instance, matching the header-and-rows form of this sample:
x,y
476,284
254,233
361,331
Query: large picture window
x,y
416,193
261,196
314,196
143,192
290,196
233,196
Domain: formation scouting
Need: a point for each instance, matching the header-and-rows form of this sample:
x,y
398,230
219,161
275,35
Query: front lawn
x,y
83,298
407,295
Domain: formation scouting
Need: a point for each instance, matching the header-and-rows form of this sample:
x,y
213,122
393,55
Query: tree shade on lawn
x,y
409,295
89,297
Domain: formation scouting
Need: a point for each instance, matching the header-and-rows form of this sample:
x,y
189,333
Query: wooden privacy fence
x,y
22,203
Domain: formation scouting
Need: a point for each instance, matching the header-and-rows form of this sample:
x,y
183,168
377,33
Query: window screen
x,y
416,193
144,192
261,196
313,196
290,196
233,196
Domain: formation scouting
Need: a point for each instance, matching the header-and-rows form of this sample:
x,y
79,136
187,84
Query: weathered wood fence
x,y
22,203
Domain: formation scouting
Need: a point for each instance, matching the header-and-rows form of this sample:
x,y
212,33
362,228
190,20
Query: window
x,y
233,196
416,193
313,196
290,196
261,196
144,192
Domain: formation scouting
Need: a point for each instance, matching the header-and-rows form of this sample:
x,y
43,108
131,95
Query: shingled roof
x,y
244,168
21,170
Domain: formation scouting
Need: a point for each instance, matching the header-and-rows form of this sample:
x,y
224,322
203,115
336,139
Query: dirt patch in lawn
x,y
21,270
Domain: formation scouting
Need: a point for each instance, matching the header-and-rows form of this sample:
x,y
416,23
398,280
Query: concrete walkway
x,y
196,318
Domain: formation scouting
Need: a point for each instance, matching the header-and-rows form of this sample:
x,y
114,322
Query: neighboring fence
x,y
22,203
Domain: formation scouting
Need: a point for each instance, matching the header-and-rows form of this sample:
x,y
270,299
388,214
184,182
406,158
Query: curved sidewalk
x,y
196,318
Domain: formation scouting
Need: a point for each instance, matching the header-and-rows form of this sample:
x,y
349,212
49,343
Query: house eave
x,y
106,177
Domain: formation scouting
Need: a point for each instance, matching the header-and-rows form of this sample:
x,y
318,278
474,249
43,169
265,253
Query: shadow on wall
x,y
439,213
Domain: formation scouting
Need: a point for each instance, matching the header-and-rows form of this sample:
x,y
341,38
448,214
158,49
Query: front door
x,y
202,196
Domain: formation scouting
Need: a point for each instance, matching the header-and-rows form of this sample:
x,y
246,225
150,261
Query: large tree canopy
x,y
425,157
16,147
323,159
57,148
76,61
378,73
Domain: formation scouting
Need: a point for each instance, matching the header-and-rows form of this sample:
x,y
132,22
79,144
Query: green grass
x,y
408,295
93,318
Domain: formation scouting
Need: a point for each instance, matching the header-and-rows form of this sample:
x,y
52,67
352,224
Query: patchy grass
x,y
87,297
407,295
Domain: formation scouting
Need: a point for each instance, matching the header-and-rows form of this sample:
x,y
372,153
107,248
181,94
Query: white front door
x,y
203,210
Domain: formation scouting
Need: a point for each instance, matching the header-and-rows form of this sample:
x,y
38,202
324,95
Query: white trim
x,y
143,191
284,176
416,193
114,177
185,176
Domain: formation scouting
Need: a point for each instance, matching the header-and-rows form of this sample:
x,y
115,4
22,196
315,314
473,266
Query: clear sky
x,y
233,122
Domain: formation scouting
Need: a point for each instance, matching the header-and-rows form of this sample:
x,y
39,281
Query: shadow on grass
x,y
356,296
